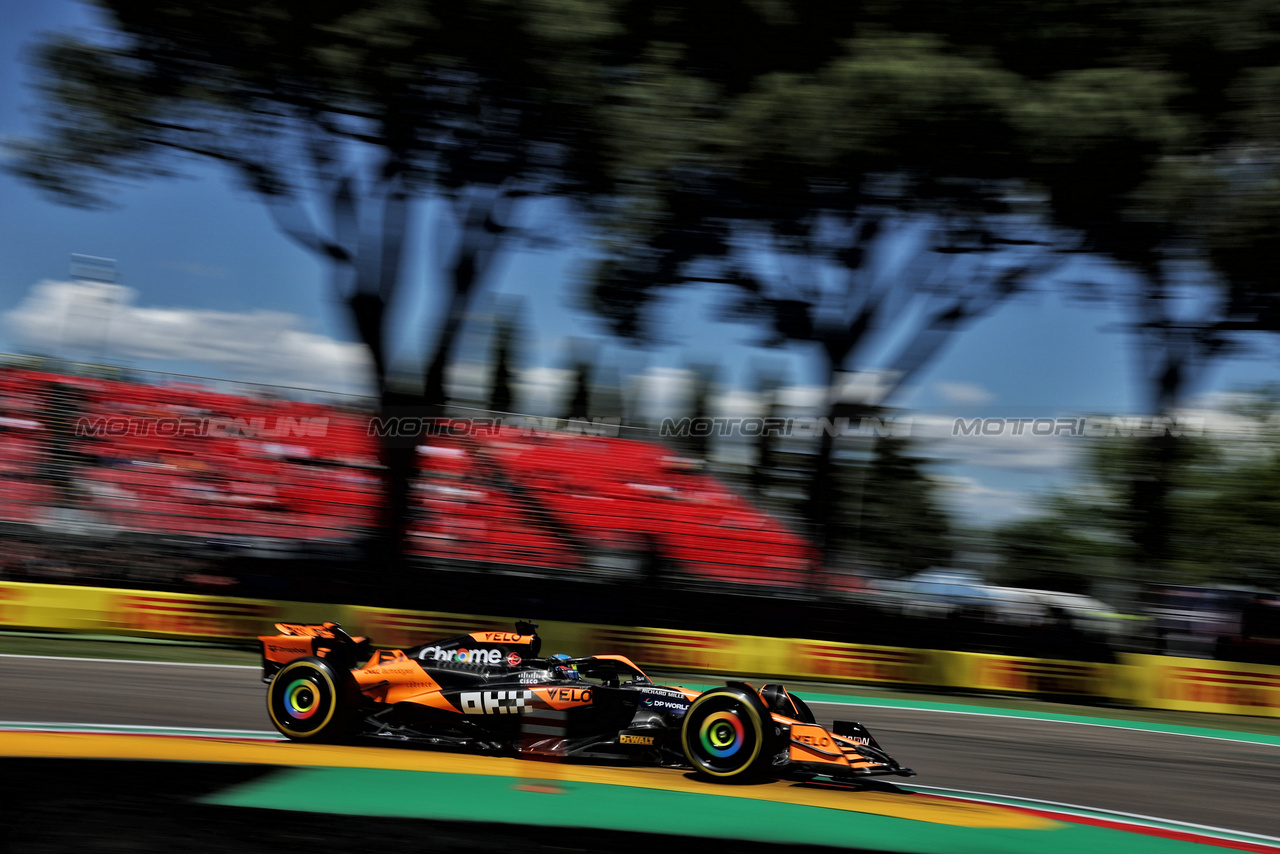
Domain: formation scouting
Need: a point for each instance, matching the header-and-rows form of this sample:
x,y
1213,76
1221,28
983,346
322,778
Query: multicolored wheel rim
x,y
302,700
723,735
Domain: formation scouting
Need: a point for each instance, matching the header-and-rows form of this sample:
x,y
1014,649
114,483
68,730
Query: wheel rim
x,y
722,735
303,700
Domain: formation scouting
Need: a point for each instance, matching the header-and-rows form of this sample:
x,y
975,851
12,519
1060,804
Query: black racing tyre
x,y
729,735
309,699
806,713
777,698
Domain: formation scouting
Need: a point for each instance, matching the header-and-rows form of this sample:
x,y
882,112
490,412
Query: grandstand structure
x,y
174,459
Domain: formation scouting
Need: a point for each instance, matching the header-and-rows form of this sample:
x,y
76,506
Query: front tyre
x,y
728,735
309,699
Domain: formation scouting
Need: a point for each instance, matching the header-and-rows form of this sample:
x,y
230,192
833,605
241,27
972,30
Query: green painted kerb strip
x,y
483,799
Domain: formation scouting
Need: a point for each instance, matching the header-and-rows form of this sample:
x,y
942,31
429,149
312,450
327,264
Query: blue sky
x,y
200,255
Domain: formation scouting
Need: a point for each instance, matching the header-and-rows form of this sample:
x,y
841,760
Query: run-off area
x,y
100,805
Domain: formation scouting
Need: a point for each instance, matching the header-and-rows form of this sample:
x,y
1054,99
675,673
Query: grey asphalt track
x,y
1211,782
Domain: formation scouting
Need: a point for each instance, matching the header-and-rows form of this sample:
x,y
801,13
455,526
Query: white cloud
x,y
664,392
101,320
988,506
964,393
737,403
1230,414
938,437
541,391
800,399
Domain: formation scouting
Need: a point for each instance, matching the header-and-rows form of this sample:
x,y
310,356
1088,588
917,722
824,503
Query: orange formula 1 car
x,y
490,692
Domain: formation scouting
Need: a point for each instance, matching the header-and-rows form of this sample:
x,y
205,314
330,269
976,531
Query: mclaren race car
x,y
490,692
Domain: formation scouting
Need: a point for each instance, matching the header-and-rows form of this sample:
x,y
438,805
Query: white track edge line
x,y
1098,810
1244,739
131,661
148,727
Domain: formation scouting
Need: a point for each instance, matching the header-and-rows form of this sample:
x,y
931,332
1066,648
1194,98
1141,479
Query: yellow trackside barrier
x,y
1007,674
186,616
1140,680
100,610
76,609
1197,685
842,662
677,649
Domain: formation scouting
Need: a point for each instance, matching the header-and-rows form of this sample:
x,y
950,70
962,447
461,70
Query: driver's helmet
x,y
562,669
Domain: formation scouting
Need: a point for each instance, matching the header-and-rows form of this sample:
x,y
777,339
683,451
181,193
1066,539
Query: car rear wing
x,y
323,640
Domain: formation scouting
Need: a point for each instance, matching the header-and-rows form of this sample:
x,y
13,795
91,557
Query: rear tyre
x,y
728,735
309,699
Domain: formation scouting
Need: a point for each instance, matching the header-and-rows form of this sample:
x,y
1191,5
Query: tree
x,y
337,116
801,194
606,397
577,403
1221,493
764,474
501,395
697,405
1147,131
1053,552
1157,145
891,514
